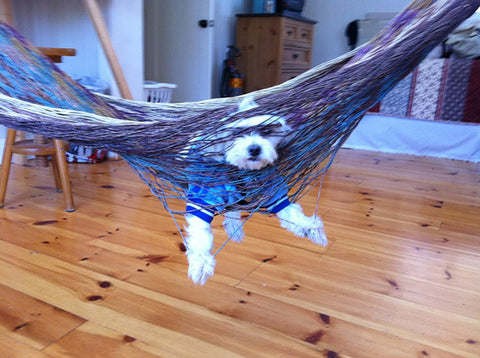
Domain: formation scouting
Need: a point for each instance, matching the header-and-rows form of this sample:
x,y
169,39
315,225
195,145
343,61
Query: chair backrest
x,y
158,92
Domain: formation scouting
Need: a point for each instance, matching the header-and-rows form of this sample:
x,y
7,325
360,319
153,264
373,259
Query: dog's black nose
x,y
254,150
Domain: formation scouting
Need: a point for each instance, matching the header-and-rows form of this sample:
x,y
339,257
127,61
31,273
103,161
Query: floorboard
x,y
399,278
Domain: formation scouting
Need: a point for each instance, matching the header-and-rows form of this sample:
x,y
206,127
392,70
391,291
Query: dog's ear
x,y
246,104
286,128
281,126
286,131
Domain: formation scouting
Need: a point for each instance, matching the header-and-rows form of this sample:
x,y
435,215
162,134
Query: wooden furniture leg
x,y
37,147
6,163
62,171
55,150
56,175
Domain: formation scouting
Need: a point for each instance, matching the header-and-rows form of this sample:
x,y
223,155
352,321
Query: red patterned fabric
x,y
438,89
472,102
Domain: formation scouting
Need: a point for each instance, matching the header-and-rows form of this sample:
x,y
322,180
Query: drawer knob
x,y
295,56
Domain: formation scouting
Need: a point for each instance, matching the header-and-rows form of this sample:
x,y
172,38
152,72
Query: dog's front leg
x,y
233,225
294,220
201,263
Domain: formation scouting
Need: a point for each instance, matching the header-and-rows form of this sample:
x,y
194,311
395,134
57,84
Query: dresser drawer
x,y
275,48
297,33
290,31
286,75
296,57
305,33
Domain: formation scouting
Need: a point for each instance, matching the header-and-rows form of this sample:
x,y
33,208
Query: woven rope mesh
x,y
167,144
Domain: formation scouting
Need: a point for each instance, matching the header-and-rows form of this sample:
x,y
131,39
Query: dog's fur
x,y
253,150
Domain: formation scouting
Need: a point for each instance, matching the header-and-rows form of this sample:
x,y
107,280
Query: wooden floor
x,y
400,278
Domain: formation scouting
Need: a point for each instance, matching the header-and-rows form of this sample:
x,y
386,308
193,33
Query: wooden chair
x,y
95,13
44,147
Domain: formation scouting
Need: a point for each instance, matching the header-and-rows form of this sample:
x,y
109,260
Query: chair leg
x,y
6,163
56,174
63,174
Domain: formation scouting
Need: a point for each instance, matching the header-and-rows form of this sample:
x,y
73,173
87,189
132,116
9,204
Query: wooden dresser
x,y
275,48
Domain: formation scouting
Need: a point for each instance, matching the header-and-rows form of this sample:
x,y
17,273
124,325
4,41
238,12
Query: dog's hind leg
x,y
233,225
294,220
199,242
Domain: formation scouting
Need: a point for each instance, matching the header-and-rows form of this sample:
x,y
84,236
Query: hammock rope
x,y
165,143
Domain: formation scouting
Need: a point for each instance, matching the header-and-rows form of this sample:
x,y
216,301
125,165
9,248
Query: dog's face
x,y
255,141
249,143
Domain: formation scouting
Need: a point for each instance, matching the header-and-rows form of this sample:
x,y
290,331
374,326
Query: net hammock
x,y
164,143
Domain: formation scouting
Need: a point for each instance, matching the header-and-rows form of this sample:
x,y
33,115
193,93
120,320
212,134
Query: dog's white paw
x,y
233,226
314,230
293,219
201,266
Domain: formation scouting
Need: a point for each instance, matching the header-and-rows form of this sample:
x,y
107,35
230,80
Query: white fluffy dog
x,y
251,150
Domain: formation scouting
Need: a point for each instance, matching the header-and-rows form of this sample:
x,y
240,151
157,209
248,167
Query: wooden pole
x,y
97,19
6,11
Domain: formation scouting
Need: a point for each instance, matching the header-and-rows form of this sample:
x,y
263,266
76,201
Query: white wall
x,y
169,44
177,49
333,17
60,23
55,23
124,19
225,24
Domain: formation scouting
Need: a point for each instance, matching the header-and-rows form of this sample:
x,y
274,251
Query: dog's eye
x,y
270,129
236,131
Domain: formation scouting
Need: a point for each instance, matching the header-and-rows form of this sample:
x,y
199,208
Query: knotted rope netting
x,y
163,142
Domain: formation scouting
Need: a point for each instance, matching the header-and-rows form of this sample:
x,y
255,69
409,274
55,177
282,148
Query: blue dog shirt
x,y
204,202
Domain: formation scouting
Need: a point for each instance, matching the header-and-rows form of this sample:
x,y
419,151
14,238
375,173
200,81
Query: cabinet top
x,y
286,15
